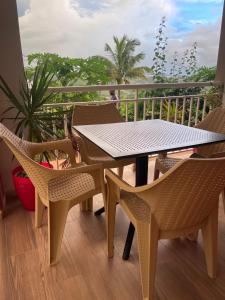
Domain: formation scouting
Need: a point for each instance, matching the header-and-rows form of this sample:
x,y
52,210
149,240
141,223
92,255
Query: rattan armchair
x,y
58,190
214,121
90,153
182,201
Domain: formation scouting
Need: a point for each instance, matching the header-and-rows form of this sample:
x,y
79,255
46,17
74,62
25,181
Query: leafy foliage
x,y
72,71
68,71
124,60
203,74
189,61
159,59
28,106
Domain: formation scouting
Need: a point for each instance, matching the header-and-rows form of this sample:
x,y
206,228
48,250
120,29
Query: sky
x,y
80,28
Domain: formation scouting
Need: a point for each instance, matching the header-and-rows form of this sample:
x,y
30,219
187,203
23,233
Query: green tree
x,y
159,59
188,65
66,70
91,70
95,70
174,69
123,63
203,74
72,71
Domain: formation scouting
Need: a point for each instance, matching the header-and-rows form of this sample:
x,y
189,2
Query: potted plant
x,y
31,120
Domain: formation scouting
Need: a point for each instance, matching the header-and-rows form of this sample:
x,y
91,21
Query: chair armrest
x,y
82,146
124,185
64,145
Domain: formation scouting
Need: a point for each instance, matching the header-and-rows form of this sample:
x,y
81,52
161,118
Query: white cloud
x,y
71,29
57,26
207,38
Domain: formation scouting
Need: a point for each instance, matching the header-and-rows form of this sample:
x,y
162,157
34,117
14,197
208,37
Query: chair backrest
x,y
214,121
187,193
96,114
22,145
38,174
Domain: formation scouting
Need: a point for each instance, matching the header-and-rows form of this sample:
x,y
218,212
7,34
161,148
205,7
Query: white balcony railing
x,y
185,109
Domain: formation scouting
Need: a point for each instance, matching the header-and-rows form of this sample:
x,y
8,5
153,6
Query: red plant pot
x,y
25,188
195,150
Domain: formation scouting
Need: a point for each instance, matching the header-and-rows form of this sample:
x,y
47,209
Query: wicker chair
x,y
90,153
215,121
182,201
59,190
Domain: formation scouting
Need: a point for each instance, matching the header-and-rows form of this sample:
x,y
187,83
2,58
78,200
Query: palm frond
x,y
28,105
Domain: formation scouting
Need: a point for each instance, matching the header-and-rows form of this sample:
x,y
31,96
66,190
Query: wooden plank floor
x,y
85,272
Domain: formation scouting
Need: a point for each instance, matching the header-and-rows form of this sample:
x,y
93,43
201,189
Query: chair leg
x,y
57,214
147,235
87,205
156,174
120,172
209,233
111,201
193,236
39,209
223,198
90,204
83,206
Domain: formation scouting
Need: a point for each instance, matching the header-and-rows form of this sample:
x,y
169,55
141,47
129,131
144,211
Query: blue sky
x,y
80,28
195,13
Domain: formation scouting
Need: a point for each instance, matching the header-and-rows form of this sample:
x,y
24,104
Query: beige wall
x,y
11,68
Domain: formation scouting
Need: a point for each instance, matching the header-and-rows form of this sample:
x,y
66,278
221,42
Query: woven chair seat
x,y
64,188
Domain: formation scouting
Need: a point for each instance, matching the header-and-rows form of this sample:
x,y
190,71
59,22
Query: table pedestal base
x,y
141,179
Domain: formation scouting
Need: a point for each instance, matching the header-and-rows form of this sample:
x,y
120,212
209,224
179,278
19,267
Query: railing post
x,y
175,116
126,104
197,110
168,109
183,111
118,103
153,109
144,110
65,121
204,107
136,106
190,112
161,107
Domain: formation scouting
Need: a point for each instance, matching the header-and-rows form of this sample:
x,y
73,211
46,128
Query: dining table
x,y
139,139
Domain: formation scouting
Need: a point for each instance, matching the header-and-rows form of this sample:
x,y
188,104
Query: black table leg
x,y
141,179
141,170
100,211
128,243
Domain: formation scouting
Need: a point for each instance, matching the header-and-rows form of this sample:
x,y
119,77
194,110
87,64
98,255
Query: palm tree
x,y
123,60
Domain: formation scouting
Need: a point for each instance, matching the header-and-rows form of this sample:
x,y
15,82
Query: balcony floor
x,y
84,271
